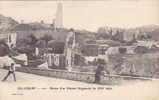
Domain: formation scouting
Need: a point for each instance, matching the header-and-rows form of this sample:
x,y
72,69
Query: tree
x,y
41,44
47,38
4,49
101,30
149,36
104,32
118,36
32,39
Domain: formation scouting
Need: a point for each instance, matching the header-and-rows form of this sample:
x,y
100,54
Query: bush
x,y
122,50
141,49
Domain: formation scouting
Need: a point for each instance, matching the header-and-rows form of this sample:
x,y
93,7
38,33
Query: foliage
x,y
40,44
46,38
4,49
32,39
141,49
122,50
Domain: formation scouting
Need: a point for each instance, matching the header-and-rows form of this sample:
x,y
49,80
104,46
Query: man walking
x,y
99,71
11,71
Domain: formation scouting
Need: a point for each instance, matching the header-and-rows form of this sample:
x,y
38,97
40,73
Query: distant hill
x,y
7,23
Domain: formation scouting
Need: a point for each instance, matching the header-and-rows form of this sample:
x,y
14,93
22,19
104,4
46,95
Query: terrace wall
x,y
78,76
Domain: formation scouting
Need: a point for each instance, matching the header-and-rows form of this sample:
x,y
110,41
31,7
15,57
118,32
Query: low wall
x,y
78,76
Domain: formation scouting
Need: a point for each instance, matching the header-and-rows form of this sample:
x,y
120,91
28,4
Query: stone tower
x,y
59,16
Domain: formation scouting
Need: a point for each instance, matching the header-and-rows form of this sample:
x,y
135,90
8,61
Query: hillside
x,y
7,23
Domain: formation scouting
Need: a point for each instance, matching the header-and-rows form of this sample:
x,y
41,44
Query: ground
x,y
50,87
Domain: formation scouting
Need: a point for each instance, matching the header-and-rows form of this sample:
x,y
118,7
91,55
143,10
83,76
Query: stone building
x,y
10,39
72,50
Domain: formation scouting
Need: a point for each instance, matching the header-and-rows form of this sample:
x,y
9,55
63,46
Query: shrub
x,y
141,49
122,50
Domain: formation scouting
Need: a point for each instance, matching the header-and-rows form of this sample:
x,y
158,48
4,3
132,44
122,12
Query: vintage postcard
x,y
79,50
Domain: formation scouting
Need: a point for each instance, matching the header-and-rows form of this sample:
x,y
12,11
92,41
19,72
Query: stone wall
x,y
78,76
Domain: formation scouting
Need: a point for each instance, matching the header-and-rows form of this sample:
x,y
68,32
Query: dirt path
x,y
49,89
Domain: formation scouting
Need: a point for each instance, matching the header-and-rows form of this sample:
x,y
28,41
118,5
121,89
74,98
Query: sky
x,y
89,15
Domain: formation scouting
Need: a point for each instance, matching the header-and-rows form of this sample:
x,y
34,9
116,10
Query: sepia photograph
x,y
76,49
